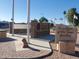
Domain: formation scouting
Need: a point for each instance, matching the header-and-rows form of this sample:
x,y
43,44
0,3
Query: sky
x,y
48,8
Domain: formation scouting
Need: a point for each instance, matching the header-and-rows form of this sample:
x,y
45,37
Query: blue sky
x,y
47,8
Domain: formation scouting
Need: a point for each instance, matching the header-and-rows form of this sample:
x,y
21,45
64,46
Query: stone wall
x,y
38,29
64,32
3,34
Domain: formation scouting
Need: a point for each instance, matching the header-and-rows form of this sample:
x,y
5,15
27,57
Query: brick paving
x,y
8,50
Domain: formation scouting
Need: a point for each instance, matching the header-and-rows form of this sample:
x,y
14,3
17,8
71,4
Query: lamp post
x,y
28,19
12,18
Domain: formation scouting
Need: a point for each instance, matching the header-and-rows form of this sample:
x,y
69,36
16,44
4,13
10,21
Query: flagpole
x,y
12,18
28,19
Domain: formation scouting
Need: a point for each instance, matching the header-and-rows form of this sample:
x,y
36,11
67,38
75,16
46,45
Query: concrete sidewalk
x,y
35,43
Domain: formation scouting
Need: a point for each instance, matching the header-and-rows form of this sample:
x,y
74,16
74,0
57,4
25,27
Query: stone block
x,y
3,34
67,47
65,33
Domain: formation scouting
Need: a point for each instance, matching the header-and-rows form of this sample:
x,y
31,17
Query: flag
x,y
75,17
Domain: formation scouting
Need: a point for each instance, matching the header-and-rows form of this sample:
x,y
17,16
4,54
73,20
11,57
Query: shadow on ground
x,y
34,49
76,54
42,57
46,37
6,39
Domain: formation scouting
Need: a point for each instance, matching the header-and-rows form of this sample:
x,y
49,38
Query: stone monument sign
x,y
66,38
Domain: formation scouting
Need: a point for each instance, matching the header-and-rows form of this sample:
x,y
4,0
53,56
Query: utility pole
x,y
28,19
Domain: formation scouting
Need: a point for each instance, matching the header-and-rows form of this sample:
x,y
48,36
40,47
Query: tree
x,y
70,16
35,20
52,23
43,20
